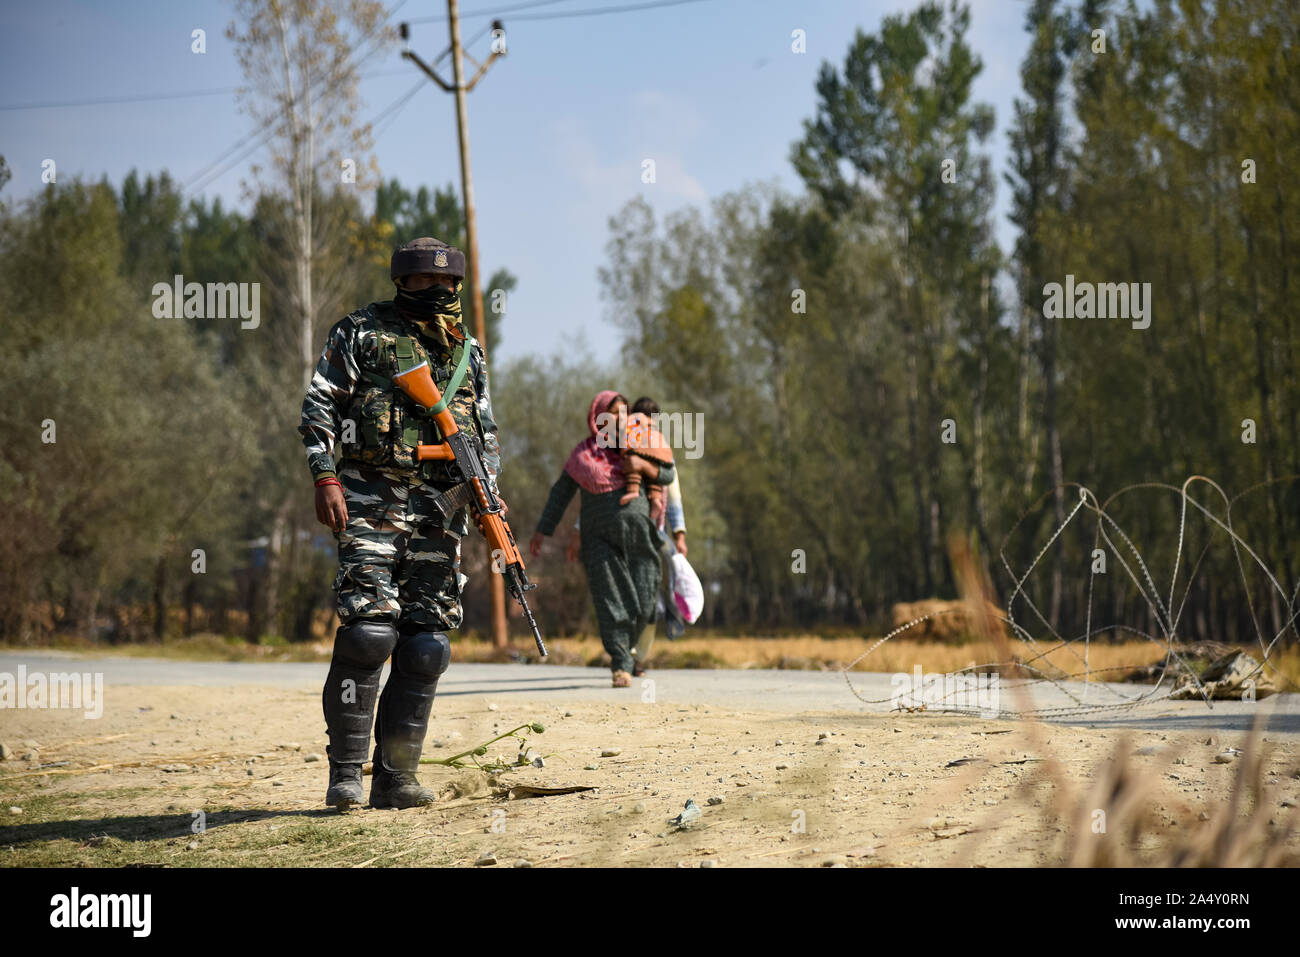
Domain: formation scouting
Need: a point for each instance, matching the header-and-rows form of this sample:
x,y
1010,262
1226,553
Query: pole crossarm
x,y
428,70
481,70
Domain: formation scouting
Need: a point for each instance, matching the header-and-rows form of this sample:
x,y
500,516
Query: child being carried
x,y
644,451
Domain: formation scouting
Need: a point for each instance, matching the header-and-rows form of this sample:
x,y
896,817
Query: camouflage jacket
x,y
353,414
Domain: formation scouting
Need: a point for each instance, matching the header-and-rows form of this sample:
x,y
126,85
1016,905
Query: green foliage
x,y
823,337
171,434
420,213
824,425
147,440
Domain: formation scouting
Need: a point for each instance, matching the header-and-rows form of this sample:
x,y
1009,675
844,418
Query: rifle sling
x,y
453,384
457,375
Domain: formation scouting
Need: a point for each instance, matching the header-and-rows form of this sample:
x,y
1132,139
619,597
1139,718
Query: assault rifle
x,y
474,489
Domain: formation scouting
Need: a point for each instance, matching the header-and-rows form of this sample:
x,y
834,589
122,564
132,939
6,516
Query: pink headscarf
x,y
594,468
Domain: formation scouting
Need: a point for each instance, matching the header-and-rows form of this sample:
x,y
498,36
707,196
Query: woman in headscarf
x,y
619,541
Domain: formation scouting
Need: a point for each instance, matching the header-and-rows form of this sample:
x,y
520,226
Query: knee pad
x,y
365,644
424,656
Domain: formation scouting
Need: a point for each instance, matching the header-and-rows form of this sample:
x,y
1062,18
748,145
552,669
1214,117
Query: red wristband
x,y
328,480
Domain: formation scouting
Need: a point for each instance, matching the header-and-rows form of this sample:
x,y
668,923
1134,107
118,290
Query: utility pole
x,y
466,177
459,87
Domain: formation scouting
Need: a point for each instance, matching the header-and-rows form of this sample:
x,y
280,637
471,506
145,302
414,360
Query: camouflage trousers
x,y
399,559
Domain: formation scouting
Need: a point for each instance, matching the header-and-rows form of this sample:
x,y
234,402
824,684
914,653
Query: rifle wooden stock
x,y
419,385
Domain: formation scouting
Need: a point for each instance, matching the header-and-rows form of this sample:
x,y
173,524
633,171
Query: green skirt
x,y
620,551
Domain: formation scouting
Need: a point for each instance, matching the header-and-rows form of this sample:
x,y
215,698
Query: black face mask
x,y
437,300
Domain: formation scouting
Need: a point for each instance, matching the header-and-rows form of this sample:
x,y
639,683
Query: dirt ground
x,y
236,776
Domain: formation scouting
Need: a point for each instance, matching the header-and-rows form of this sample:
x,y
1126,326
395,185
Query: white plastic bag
x,y
687,590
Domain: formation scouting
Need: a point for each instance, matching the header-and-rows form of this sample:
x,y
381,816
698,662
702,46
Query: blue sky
x,y
710,90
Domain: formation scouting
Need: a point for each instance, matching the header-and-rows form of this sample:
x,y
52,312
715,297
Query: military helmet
x,y
427,254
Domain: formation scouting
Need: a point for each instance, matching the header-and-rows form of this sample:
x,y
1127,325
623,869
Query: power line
x,y
129,98
255,139
264,131
597,11
227,90
148,97
472,40
399,104
441,18
395,108
559,14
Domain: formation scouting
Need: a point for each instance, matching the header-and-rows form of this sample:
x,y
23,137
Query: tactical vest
x,y
389,424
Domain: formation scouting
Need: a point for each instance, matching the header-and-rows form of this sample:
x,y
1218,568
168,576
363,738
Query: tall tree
x,y
301,77
1039,180
894,143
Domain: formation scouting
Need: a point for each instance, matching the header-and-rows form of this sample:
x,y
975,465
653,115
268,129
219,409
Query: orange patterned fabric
x,y
647,441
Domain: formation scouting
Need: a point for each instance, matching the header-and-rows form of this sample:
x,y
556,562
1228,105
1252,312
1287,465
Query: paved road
x,y
749,690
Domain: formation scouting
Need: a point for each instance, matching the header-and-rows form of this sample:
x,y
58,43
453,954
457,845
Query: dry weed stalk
x,y
1107,826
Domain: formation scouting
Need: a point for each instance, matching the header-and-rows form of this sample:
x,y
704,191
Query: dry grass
x,y
808,652
934,619
1116,822
1113,820
796,652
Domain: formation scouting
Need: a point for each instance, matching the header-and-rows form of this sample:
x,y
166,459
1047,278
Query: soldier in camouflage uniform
x,y
399,580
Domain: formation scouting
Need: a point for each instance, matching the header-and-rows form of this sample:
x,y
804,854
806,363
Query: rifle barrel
x,y
532,623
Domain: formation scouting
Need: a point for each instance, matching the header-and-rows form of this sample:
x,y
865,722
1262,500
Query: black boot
x,y
396,789
404,708
345,785
348,700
